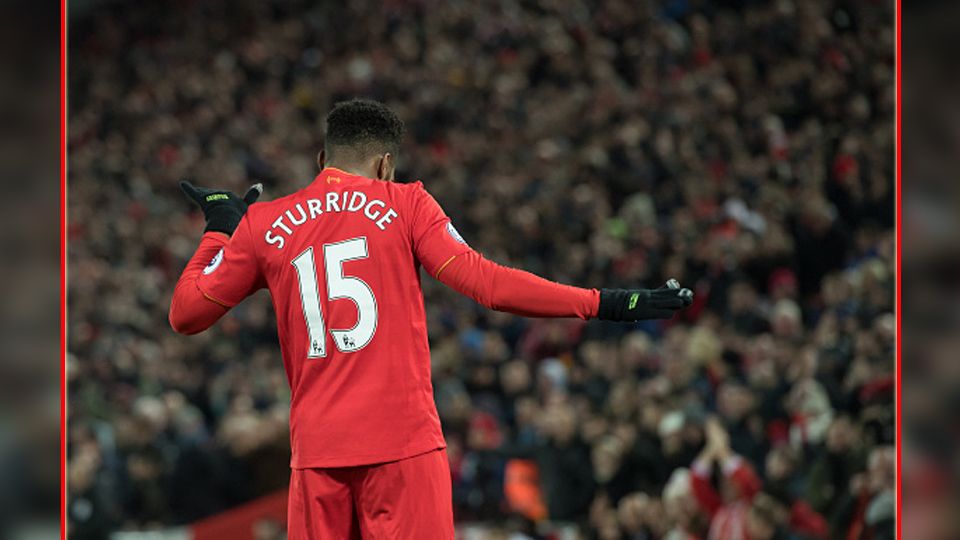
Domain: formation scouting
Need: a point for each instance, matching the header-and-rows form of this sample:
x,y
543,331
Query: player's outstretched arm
x,y
522,293
191,311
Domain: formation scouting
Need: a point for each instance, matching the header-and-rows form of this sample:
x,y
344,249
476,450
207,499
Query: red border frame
x,y
898,99
63,268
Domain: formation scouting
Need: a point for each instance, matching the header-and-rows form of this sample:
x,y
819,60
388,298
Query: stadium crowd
x,y
744,147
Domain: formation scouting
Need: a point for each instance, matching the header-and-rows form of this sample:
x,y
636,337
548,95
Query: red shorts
x,y
402,499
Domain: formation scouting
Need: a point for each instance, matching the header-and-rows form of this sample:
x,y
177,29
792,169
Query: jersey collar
x,y
333,175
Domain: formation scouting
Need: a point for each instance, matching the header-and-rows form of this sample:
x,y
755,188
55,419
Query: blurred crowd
x,y
743,147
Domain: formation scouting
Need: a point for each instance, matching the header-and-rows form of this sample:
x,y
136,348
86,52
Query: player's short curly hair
x,y
361,127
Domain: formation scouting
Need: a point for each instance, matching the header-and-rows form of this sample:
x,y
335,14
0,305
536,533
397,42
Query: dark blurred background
x,y
29,278
744,147
931,266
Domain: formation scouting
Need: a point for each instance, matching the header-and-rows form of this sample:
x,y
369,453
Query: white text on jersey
x,y
347,201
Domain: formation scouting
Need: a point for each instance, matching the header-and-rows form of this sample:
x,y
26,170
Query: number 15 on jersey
x,y
339,286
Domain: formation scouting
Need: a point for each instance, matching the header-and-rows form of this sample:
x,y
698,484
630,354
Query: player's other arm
x,y
522,293
516,291
190,311
193,308
446,256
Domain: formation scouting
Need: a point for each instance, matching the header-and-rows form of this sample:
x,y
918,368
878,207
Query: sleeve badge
x,y
214,262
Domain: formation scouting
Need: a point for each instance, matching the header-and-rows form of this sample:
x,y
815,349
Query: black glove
x,y
641,304
222,209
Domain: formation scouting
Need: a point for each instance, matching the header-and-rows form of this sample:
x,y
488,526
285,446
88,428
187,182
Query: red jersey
x,y
342,260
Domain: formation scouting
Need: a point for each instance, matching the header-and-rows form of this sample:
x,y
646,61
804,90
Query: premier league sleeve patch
x,y
452,231
214,262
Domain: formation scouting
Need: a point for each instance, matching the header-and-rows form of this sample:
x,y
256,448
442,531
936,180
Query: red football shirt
x,y
341,259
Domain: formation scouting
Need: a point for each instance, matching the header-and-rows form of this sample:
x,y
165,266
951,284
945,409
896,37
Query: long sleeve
x,y
704,493
738,471
515,291
190,310
803,518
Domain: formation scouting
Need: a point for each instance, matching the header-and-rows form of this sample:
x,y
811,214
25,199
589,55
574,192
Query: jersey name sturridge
x,y
348,201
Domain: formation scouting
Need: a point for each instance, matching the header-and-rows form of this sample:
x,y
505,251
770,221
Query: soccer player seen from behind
x,y
341,258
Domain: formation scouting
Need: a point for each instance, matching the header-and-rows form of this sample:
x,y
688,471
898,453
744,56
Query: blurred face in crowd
x,y
142,467
526,410
626,432
593,427
881,471
763,373
622,399
693,435
630,512
786,321
650,415
840,435
83,467
241,434
596,356
759,527
808,397
681,509
609,528
734,401
561,423
677,370
672,443
515,377
674,347
764,517
459,407
635,350
670,431
741,298
607,456
779,464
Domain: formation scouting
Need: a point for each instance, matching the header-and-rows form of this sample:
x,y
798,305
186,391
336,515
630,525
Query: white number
x,y
338,286
310,297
